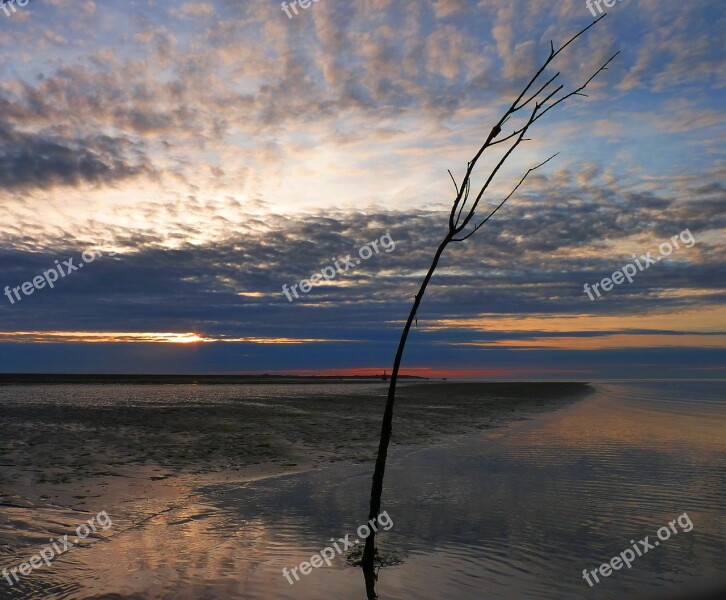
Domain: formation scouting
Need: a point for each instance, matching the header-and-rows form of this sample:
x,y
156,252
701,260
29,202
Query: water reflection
x,y
513,514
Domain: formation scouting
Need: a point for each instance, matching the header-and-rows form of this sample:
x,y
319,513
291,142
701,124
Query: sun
x,y
185,338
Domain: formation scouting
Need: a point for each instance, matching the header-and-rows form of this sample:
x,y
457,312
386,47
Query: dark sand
x,y
65,453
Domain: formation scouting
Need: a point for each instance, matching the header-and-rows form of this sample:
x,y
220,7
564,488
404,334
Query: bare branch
x,y
541,104
577,35
462,193
496,130
550,58
495,170
458,196
578,90
461,208
491,214
456,187
540,109
492,134
462,197
537,93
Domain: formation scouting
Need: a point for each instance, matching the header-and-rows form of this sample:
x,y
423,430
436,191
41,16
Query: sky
x,y
204,155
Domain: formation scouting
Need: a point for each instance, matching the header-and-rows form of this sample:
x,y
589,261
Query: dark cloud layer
x,y
45,160
507,268
229,151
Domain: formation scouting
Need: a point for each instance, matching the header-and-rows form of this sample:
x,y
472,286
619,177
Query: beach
x,y
57,439
214,489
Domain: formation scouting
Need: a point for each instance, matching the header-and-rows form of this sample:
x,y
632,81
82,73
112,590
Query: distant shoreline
x,y
51,378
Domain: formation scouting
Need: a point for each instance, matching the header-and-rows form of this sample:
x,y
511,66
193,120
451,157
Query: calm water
x,y
517,513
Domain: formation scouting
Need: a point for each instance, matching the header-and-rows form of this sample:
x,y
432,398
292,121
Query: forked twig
x,y
459,217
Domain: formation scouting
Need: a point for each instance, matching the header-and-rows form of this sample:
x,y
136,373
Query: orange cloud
x,y
607,342
705,319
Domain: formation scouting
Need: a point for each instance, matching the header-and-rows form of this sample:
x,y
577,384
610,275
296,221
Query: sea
x,y
517,512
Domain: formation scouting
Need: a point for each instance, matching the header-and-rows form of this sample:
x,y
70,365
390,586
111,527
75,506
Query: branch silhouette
x,y
536,104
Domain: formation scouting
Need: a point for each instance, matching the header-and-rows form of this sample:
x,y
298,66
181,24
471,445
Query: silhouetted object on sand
x,y
534,106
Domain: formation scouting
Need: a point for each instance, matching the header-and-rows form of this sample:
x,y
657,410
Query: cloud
x,y
45,160
229,150
197,9
445,8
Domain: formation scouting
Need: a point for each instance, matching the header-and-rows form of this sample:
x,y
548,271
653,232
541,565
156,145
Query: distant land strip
x,y
52,378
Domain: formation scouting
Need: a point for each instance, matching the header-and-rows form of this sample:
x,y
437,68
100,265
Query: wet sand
x,y
65,453
492,494
143,454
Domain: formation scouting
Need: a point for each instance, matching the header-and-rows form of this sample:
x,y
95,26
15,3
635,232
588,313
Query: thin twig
x,y
491,214
456,187
578,90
